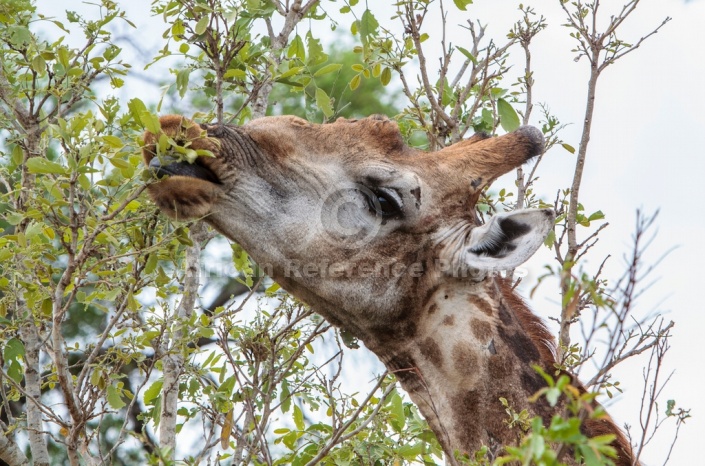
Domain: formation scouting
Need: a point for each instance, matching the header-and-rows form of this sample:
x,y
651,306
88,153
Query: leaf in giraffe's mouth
x,y
168,166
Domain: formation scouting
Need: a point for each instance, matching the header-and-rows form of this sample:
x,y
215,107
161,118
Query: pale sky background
x,y
646,152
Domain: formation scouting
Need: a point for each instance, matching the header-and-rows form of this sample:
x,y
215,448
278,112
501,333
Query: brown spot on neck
x,y
500,366
431,351
481,329
465,417
480,304
465,360
521,345
449,320
428,295
531,325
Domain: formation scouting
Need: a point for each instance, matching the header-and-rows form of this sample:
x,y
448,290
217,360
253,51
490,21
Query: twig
x,y
338,436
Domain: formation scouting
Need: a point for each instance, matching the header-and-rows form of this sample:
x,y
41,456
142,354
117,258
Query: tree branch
x,y
338,436
171,345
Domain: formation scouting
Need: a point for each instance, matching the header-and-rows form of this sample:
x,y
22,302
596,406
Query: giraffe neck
x,y
470,350
476,343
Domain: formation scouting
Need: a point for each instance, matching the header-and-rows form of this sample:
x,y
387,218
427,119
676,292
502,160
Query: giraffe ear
x,y
508,239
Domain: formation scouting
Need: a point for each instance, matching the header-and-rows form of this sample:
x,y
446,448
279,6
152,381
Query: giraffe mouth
x,y
169,166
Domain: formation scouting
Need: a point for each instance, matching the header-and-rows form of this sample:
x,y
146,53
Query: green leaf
x,y
316,55
14,371
97,379
296,49
323,102
153,391
113,141
285,396
368,26
17,155
462,4
39,65
299,418
234,73
111,52
151,264
5,254
178,28
550,239
397,417
467,54
537,446
386,76
291,72
410,452
182,78
508,118
201,25
114,398
596,216
333,67
13,350
41,165
227,386
552,395
19,35
14,218
355,82
271,290
349,339
150,122
568,147
670,404
63,55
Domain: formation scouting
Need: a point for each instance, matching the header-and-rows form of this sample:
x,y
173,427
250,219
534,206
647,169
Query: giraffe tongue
x,y
168,166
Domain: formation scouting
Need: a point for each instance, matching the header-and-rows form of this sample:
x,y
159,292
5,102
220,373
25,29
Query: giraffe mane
x,y
546,344
531,323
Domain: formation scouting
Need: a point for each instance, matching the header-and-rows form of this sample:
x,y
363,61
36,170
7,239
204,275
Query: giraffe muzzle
x,y
169,166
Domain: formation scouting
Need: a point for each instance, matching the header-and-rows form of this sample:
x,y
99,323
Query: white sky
x,y
645,152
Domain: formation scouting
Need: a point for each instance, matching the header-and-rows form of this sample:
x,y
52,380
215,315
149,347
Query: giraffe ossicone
x,y
383,240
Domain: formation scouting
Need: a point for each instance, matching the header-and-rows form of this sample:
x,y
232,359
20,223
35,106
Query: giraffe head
x,y
345,215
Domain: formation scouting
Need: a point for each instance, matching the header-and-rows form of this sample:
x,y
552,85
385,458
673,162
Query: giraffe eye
x,y
385,202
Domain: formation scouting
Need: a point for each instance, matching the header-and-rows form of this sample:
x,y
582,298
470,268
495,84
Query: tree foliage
x,y
108,355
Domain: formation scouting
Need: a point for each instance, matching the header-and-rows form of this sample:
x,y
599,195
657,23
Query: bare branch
x,y
10,453
173,357
37,443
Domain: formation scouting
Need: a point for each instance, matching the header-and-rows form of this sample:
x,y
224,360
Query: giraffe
x,y
383,240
